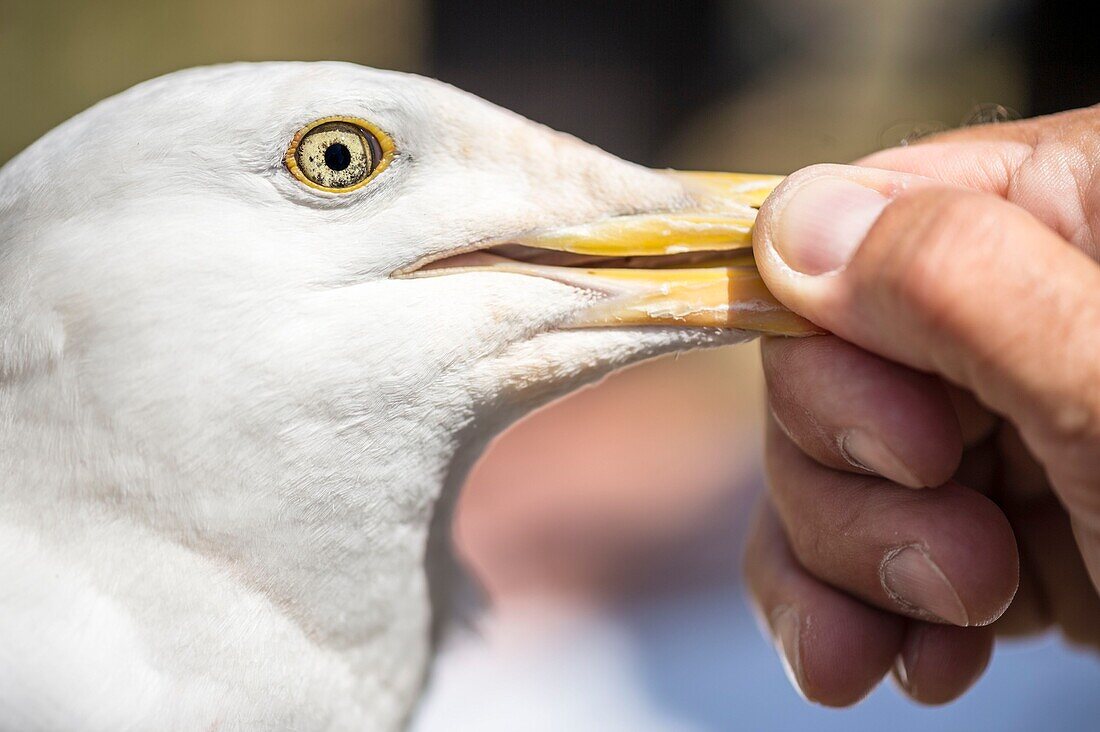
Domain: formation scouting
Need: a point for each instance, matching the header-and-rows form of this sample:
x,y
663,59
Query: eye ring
x,y
357,168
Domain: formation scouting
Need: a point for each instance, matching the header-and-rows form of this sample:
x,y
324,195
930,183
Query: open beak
x,y
691,267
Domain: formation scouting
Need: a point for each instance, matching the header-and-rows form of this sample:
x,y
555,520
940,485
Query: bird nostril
x,y
338,157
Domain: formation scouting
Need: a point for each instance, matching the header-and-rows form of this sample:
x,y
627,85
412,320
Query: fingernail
x,y
867,452
913,580
901,673
823,223
787,629
906,662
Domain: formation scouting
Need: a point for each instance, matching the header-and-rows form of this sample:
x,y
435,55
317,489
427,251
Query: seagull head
x,y
268,240
272,310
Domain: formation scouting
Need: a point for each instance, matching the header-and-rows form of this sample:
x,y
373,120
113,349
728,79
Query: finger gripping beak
x,y
714,283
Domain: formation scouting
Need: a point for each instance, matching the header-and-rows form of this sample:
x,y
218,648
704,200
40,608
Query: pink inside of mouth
x,y
519,254
468,259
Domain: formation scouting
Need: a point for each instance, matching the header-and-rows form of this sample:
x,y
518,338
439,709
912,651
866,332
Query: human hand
x,y
964,292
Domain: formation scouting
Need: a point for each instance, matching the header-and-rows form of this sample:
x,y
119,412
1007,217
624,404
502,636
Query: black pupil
x,y
337,156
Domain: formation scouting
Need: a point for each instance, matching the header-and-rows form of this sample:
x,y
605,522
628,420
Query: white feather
x,y
224,428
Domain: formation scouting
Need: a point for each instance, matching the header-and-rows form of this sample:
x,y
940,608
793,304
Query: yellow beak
x,y
720,289
691,267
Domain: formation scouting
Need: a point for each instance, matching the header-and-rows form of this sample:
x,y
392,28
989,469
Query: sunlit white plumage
x,y
224,427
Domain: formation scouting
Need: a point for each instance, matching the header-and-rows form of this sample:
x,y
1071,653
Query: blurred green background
x,y
58,57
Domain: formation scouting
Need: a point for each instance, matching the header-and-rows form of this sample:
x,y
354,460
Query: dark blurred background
x,y
651,80
606,529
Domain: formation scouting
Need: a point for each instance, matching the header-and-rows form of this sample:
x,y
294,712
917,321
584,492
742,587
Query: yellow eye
x,y
338,154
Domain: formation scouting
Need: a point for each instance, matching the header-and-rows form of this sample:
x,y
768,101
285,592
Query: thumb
x,y
954,282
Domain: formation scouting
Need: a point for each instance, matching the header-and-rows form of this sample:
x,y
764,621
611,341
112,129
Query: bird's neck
x,y
296,506
323,523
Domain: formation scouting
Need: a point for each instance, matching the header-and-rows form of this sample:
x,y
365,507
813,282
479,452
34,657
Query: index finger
x,y
1047,166
851,410
953,282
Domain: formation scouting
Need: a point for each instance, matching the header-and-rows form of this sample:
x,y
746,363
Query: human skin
x,y
934,466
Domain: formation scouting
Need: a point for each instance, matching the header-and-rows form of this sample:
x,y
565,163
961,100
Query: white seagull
x,y
256,323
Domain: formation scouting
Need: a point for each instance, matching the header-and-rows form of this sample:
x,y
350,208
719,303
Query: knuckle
x,y
1068,396
920,255
831,526
1073,423
808,545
